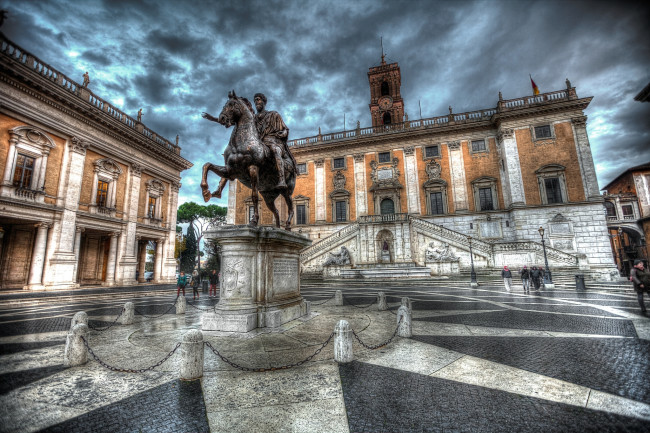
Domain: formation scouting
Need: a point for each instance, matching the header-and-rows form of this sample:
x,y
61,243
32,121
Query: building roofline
x,y
631,169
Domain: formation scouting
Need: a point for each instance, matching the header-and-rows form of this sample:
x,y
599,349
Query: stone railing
x,y
551,253
455,236
543,98
12,51
388,218
316,248
27,193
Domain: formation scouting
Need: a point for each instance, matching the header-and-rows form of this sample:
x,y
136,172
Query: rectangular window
x,y
485,198
543,131
340,211
478,146
553,193
24,171
102,193
301,214
152,207
384,156
627,210
436,203
302,168
339,163
251,213
431,151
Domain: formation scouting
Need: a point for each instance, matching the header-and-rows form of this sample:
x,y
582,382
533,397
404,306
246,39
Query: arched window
x,y
610,209
384,88
387,118
387,207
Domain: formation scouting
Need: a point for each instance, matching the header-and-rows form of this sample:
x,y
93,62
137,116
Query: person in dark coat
x,y
640,277
535,275
196,280
213,283
525,278
507,278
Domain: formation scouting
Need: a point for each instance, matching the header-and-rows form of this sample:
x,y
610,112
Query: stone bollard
x,y
338,298
180,305
79,317
192,355
343,342
307,308
406,302
75,352
128,314
381,302
404,327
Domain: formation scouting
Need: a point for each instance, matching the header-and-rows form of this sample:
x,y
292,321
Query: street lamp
x,y
473,282
548,280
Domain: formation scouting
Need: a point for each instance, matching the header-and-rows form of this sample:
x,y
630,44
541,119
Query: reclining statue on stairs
x,y
340,258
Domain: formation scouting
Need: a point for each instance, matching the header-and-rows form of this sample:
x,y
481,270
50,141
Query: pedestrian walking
x,y
507,278
213,284
181,282
535,275
196,279
525,278
542,277
640,277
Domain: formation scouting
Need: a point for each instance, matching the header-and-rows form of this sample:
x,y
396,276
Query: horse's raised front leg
x,y
219,171
253,172
287,198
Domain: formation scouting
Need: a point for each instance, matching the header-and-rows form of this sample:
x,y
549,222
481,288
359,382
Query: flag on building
x,y
535,88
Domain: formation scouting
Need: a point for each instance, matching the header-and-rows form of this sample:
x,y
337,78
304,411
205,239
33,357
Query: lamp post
x,y
473,282
548,280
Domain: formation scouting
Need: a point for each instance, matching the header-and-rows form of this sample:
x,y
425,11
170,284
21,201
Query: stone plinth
x,y
260,278
444,267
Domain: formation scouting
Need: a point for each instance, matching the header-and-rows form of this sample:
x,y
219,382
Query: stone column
x,y
143,258
11,159
512,181
319,187
77,248
35,279
158,265
587,168
112,257
360,188
343,342
411,175
458,181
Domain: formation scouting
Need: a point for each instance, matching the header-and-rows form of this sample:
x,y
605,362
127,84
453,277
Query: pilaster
x,y
458,181
512,181
411,174
587,168
112,259
360,188
319,187
35,279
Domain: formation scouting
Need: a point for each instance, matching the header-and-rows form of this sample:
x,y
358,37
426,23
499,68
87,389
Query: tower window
x,y
431,151
24,171
387,119
384,157
384,88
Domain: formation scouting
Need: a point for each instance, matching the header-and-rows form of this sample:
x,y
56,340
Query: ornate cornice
x,y
409,150
78,146
453,145
136,169
579,121
359,157
319,163
505,134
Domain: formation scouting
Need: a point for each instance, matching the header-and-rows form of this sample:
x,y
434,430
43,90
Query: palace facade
x,y
398,191
84,186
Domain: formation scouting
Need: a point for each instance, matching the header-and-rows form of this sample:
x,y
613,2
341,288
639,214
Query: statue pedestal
x,y
260,278
443,267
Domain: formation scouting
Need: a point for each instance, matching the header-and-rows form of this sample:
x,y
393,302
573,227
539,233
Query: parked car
x,y
148,276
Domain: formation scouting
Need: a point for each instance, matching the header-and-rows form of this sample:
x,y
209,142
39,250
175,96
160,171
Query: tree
x,y
188,257
200,218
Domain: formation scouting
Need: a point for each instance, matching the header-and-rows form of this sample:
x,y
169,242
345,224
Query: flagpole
x,y
420,108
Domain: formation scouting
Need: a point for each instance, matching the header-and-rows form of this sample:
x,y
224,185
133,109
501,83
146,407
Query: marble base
x,y
260,278
443,268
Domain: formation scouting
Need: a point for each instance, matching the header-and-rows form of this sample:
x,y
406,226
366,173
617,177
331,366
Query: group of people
x,y
534,274
195,280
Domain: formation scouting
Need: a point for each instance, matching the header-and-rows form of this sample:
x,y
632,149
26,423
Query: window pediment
x,y
33,136
484,180
108,167
550,169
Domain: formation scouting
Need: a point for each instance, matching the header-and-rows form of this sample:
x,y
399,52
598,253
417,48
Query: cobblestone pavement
x,y
480,360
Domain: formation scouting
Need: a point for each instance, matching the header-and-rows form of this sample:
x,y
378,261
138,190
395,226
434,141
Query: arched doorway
x,y
387,118
387,206
385,247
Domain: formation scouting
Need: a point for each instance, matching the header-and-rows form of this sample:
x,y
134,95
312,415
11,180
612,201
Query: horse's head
x,y
234,109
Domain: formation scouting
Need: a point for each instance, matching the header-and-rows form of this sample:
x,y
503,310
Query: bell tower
x,y
386,104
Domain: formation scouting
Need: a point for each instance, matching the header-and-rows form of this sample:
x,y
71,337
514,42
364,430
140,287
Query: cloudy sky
x,y
176,59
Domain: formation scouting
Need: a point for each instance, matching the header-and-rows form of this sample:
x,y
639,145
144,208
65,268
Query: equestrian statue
x,y
257,155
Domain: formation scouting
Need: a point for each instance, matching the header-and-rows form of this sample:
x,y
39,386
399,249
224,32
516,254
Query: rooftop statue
x,y
257,155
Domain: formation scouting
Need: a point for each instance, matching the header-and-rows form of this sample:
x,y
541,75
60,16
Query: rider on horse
x,y
274,133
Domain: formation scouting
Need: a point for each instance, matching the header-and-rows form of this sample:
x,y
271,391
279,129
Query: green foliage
x,y
188,256
200,218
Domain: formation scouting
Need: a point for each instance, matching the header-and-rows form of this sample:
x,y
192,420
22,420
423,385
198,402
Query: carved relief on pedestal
x,y
235,278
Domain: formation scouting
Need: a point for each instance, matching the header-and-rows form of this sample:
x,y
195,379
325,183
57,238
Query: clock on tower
x,y
386,104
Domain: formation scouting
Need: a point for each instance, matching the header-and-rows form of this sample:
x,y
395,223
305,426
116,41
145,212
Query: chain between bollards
x,y
200,309
109,326
261,370
313,304
127,370
159,315
356,306
385,343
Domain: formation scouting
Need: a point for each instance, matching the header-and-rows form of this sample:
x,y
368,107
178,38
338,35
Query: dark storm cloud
x,y
179,58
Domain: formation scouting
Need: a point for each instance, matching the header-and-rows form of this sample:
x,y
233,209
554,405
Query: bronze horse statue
x,y
250,161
